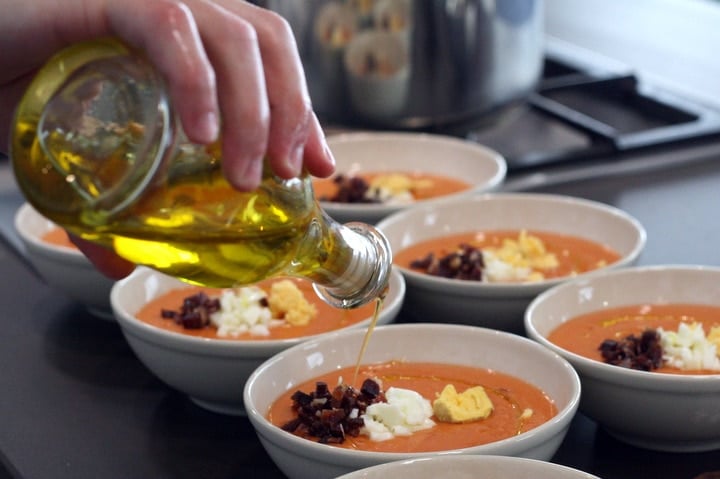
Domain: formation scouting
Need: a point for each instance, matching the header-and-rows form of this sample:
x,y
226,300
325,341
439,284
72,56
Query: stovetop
x,y
579,113
590,117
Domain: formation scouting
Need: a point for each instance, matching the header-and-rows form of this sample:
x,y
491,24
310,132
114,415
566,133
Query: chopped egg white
x,y
688,348
498,271
405,412
250,309
241,311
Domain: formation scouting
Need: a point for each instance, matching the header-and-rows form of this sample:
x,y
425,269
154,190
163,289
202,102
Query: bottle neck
x,y
367,274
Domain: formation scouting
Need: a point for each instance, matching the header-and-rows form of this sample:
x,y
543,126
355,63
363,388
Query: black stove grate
x,y
577,114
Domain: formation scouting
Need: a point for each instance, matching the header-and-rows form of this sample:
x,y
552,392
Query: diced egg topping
x,y
520,259
395,188
470,405
249,309
288,302
404,413
689,349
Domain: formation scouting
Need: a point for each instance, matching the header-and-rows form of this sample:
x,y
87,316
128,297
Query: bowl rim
x,y
518,289
474,460
489,184
560,421
218,346
628,377
26,212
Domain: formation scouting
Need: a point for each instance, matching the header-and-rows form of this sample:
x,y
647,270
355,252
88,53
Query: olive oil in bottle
x,y
96,149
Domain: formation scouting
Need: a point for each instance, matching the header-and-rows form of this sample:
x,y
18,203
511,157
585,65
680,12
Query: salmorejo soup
x,y
412,407
386,187
277,308
667,338
506,256
58,237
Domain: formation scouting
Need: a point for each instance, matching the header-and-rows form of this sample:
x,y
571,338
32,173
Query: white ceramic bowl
x,y
469,467
354,153
63,268
667,412
501,305
212,372
301,458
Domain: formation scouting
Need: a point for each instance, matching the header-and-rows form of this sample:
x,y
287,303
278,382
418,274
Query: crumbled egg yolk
x,y
396,187
288,302
526,256
714,337
470,405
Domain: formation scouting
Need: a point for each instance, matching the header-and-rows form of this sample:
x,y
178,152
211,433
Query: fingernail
x,y
208,127
249,177
328,154
295,159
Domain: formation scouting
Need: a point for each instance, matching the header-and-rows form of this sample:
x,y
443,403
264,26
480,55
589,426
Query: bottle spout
x,y
370,268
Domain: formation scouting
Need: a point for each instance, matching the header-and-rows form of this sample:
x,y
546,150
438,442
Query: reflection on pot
x,y
334,28
363,56
448,60
393,16
377,70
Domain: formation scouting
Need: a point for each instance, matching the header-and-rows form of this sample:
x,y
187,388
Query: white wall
x,y
674,43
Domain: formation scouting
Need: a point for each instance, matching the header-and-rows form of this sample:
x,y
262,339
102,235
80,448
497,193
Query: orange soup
x,y
511,397
58,237
426,185
328,318
574,255
583,335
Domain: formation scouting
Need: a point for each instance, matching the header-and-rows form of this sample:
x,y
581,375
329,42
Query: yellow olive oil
x,y
96,149
195,226
366,339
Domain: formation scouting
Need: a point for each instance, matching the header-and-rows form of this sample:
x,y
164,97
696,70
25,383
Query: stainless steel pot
x,y
415,63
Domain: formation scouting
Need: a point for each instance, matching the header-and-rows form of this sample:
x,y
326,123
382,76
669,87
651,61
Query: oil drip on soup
x,y
506,256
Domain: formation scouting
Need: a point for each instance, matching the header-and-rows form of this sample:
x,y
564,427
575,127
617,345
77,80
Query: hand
x,y
222,59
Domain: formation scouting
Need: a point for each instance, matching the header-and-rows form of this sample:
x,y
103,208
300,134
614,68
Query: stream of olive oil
x,y
366,339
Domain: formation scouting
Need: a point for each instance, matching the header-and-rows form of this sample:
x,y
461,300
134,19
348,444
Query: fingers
x,y
233,48
293,125
107,262
232,60
318,157
166,30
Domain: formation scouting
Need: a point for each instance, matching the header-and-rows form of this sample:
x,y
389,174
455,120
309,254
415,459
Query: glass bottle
x,y
97,149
